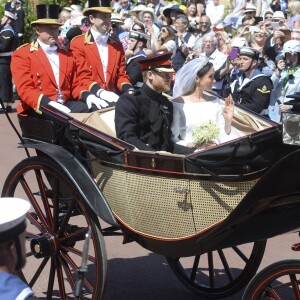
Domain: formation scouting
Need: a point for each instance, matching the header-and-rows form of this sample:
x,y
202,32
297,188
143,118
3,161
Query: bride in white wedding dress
x,y
192,106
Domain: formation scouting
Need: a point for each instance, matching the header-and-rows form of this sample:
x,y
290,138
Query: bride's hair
x,y
185,78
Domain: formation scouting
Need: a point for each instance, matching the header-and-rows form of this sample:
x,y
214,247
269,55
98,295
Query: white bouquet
x,y
206,133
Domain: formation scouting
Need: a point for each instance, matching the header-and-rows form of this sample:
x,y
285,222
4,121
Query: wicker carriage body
x,y
183,205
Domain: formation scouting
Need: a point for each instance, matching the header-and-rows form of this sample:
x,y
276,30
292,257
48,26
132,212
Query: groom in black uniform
x,y
143,117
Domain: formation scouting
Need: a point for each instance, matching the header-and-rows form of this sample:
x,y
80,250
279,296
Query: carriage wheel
x,y
278,281
56,228
220,273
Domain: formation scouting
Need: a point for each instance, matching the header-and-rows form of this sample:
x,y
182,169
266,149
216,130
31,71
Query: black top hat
x,y
47,14
99,6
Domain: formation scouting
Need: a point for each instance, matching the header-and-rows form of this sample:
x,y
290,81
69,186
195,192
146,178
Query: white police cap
x,y
12,216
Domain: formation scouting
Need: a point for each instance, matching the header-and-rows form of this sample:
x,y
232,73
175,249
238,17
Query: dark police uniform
x,y
143,118
7,45
254,94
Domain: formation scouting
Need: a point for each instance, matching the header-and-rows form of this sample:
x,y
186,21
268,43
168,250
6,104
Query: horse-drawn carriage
x,y
184,207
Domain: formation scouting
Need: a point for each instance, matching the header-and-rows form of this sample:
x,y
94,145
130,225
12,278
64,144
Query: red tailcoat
x,y
35,81
86,54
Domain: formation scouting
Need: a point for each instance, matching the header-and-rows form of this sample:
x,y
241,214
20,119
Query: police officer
x,y
7,45
12,248
252,89
143,117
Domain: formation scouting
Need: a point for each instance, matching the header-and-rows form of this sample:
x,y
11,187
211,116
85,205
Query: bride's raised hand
x,y
228,108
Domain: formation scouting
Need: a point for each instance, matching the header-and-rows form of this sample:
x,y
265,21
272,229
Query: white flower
x,y
205,133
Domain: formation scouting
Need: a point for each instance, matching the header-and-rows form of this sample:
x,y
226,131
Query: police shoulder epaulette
x,y
22,46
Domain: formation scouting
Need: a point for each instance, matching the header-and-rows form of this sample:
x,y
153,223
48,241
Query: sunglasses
x,y
249,12
204,23
164,30
137,29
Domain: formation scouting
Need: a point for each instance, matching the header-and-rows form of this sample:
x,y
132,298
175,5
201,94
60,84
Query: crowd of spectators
x,y
200,28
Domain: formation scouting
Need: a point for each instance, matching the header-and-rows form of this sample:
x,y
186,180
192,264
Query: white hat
x,y
115,18
250,7
138,8
10,15
76,21
12,216
250,52
278,15
239,42
292,47
147,10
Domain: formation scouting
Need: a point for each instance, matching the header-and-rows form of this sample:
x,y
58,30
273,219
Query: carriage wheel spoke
x,y
51,280
295,285
270,292
66,217
38,272
78,233
44,197
211,269
34,222
225,265
32,200
60,279
92,259
195,268
240,254
69,261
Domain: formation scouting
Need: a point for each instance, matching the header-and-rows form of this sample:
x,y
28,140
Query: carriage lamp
x,y
291,121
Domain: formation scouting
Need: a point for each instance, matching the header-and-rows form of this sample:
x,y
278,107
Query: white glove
x,y
60,107
107,96
92,99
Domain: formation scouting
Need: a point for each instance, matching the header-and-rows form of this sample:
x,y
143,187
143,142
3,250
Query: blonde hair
x,y
294,8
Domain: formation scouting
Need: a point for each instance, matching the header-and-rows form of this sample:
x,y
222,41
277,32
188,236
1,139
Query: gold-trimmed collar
x,y
34,46
88,38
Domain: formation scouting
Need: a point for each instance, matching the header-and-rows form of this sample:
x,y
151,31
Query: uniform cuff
x,y
126,87
84,95
94,88
42,101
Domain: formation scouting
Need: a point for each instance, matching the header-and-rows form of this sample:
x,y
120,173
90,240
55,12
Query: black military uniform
x,y
7,45
253,93
143,118
133,68
19,24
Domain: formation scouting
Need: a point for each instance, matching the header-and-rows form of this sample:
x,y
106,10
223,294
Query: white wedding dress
x,y
186,116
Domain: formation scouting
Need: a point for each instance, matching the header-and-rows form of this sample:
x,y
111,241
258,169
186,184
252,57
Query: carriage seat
x,y
104,120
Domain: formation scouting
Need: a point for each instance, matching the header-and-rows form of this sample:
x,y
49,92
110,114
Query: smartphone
x,y
275,25
257,20
234,53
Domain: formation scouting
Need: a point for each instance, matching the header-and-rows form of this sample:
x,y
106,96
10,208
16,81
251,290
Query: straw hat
x,y
98,6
